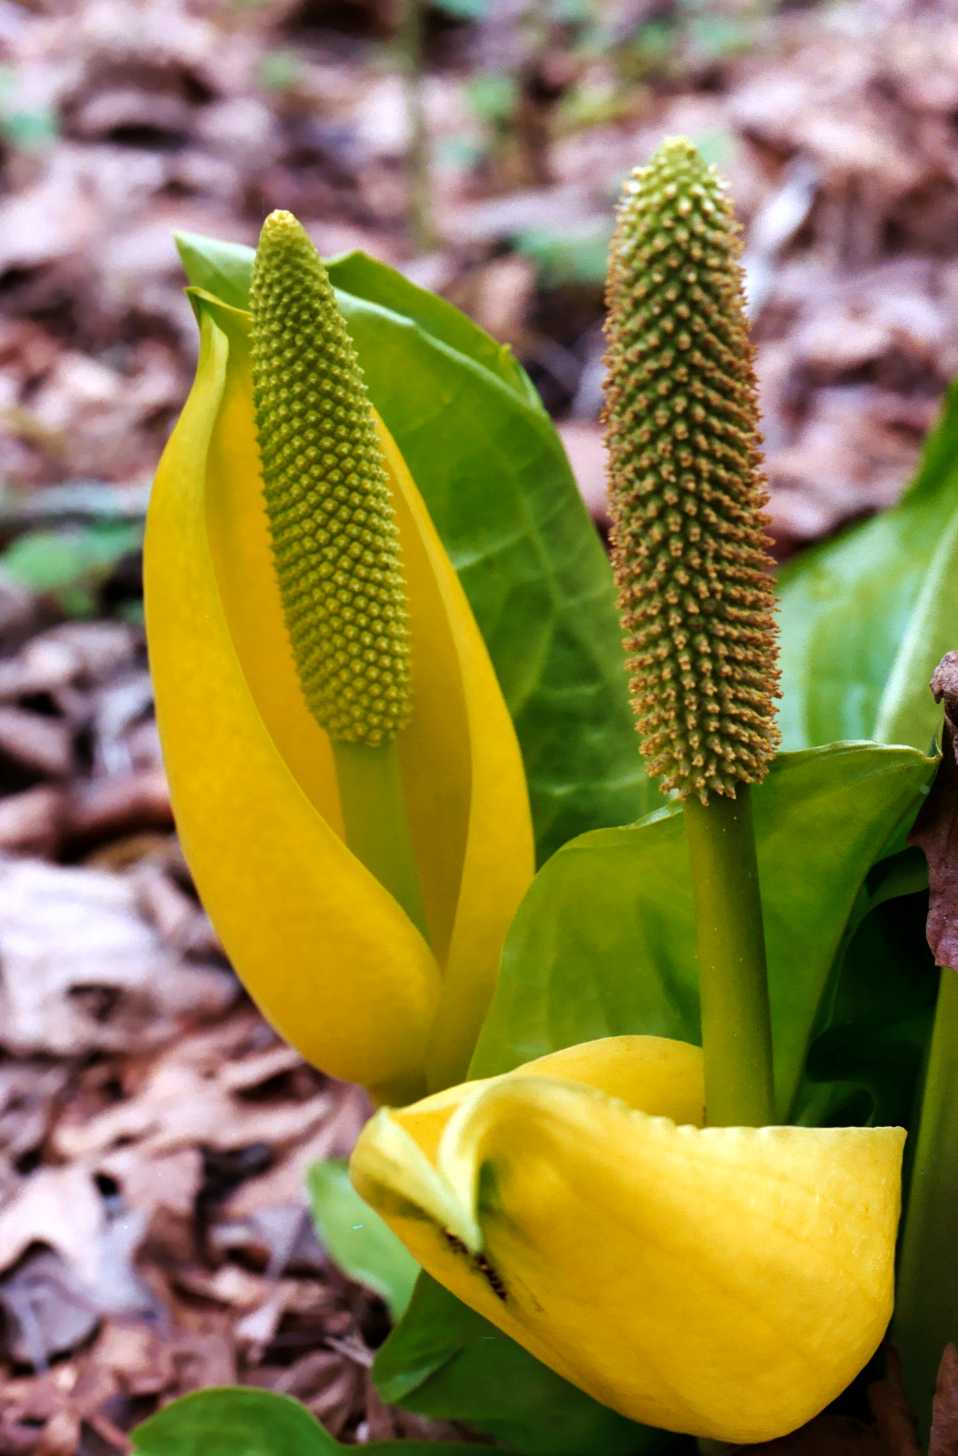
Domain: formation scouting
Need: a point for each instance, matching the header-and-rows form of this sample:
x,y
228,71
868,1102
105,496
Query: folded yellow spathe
x,y
725,1282
327,953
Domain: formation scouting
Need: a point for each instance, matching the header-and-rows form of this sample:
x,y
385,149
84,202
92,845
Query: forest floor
x,y
154,1134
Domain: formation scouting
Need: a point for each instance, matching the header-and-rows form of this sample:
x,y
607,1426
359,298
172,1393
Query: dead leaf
x,y
891,1409
28,1094
586,452
936,828
37,1215
184,1100
944,1420
36,741
48,1308
81,969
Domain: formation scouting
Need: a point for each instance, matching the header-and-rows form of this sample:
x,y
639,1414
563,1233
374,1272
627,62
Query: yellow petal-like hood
x,y
329,956
725,1282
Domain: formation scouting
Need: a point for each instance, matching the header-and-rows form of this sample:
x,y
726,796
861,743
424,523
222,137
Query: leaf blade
x,y
241,1421
604,942
356,1238
847,610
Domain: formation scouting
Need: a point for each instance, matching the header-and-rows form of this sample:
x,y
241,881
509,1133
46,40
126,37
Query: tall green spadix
x,y
335,542
333,527
686,489
692,566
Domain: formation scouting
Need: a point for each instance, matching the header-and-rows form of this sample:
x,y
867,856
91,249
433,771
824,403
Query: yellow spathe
x,y
724,1282
326,952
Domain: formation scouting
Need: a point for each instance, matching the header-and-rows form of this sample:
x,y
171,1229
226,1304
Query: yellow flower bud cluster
x,y
331,518
686,489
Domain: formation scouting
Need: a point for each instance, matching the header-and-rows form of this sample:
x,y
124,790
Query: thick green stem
x,y
926,1312
377,826
733,980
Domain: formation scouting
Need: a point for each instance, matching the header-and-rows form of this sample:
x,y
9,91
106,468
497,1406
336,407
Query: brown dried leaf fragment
x,y
936,828
944,1420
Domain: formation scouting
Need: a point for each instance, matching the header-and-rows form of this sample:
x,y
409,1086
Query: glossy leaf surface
x,y
867,616
356,1238
238,1421
874,1026
604,942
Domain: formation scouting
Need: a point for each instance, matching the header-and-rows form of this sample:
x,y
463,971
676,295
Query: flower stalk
x,y
731,951
692,565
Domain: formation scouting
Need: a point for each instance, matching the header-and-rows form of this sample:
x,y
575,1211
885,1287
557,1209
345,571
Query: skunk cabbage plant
x,y
641,1113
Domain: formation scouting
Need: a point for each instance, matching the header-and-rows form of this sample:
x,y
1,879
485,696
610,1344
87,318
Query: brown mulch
x,y
835,123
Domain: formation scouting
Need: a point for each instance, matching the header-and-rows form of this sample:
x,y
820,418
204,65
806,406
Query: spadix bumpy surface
x,y
686,491
331,519
723,1282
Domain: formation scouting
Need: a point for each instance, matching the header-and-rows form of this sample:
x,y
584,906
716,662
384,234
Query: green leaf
x,y
866,617
872,1032
240,1421
221,268
864,1063
604,942
907,712
356,1238
70,562
571,256
446,1361
502,496
364,277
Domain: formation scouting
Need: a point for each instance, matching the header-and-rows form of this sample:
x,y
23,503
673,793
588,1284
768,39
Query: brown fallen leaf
x,y
936,828
583,445
82,970
31,822
29,1090
36,741
891,1409
183,1098
36,1215
48,1309
121,804
944,1419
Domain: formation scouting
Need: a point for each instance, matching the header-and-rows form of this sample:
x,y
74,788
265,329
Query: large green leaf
x,y
69,563
221,268
604,941
240,1421
357,1240
364,277
866,617
875,1020
500,491
445,1360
